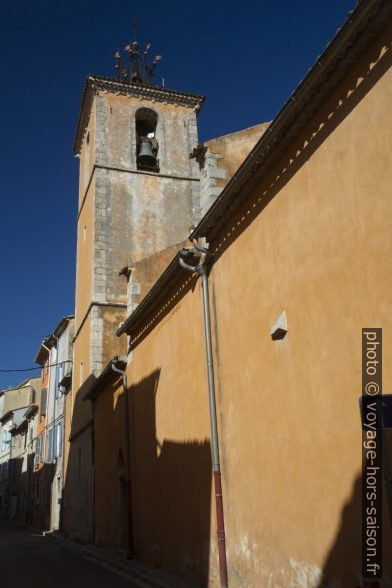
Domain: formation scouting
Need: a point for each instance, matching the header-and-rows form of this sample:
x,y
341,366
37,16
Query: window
x,y
38,448
5,441
146,141
60,376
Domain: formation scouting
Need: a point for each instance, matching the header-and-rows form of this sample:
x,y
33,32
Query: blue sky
x,y
245,57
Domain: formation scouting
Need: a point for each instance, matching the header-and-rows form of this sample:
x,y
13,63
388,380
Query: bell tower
x,y
138,195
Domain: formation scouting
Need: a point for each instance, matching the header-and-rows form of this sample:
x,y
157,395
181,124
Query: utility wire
x,y
38,367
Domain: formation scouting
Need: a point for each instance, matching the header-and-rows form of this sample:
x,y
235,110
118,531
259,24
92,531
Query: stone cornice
x,y
94,84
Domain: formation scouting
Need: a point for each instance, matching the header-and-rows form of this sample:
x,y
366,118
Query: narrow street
x,y
30,559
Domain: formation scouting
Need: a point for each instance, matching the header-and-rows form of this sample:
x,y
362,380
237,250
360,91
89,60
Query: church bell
x,y
146,156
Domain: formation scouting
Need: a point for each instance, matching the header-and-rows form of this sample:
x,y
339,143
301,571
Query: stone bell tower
x,y
138,195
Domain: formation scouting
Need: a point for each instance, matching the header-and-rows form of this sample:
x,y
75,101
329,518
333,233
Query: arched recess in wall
x,y
147,146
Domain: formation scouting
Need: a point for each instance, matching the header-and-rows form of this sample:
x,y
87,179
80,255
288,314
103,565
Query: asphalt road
x,y
28,559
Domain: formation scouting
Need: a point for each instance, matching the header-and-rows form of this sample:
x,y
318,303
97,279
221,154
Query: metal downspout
x,y
220,523
128,495
43,502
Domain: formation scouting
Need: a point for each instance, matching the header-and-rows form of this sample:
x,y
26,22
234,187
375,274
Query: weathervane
x,y
136,67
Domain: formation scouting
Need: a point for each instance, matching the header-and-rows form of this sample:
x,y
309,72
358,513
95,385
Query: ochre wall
x,y
319,250
41,419
81,378
171,455
314,239
77,500
146,272
67,432
108,461
112,346
84,261
234,148
78,453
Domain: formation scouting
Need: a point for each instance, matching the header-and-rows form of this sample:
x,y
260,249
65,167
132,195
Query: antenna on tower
x,y
136,68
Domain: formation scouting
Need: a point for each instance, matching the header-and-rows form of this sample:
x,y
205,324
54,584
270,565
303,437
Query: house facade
x,y
55,357
20,483
13,404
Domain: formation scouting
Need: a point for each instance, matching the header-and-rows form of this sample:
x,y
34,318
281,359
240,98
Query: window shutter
x,y
50,445
37,450
44,397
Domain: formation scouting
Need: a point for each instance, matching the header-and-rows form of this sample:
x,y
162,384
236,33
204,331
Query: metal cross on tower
x,y
135,67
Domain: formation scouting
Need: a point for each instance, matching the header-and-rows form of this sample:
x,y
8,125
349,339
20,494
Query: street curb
x,y
146,576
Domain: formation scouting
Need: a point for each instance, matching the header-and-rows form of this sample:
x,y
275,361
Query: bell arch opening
x,y
147,145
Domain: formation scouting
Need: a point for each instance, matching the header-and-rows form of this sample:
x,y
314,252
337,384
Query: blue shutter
x,y
60,438
50,445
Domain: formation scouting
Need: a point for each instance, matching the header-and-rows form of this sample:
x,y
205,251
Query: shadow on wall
x,y
172,490
170,483
44,499
77,498
343,565
16,502
29,492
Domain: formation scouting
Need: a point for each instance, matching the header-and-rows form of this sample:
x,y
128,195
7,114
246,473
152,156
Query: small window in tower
x,y
146,142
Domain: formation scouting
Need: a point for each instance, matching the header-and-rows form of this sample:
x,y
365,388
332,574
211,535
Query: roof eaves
x,y
107,375
360,27
171,275
31,411
6,416
42,352
59,330
21,386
